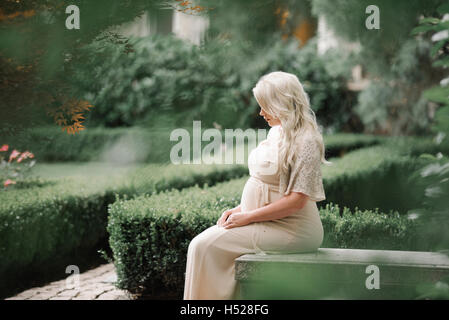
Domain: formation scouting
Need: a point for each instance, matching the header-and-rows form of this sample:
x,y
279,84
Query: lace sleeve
x,y
305,174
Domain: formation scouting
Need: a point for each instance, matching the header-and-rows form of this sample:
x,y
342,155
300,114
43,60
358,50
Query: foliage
x,y
17,167
168,82
38,53
379,47
64,203
41,228
164,75
433,213
141,145
73,110
393,103
399,67
252,21
374,177
149,236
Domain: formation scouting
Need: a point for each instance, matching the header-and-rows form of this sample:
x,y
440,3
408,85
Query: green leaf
x,y
436,47
429,20
424,28
437,94
444,62
442,119
427,156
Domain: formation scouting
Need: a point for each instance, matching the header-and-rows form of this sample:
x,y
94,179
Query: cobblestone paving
x,y
94,284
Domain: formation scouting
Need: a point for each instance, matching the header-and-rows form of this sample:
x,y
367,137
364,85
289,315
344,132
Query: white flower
x,y
444,82
444,34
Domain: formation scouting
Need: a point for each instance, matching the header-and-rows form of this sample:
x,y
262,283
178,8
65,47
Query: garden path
x,y
94,284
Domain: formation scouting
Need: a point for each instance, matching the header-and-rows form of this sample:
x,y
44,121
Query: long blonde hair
x,y
282,96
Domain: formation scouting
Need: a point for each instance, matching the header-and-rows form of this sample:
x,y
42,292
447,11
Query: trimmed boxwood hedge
x,y
135,144
51,144
43,229
374,177
149,236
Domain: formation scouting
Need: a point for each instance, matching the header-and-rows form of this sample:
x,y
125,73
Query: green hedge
x,y
170,80
51,144
337,145
149,236
417,145
43,228
153,145
135,144
374,177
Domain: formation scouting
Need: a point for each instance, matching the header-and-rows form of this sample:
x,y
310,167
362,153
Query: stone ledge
x,y
334,269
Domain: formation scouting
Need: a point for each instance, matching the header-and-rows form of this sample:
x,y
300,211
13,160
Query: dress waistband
x,y
265,188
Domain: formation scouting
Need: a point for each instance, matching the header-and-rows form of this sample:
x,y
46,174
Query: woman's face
x,y
268,118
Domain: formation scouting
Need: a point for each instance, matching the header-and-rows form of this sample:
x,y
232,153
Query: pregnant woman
x,y
278,211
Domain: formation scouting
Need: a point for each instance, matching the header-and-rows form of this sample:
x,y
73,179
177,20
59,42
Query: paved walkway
x,y
95,284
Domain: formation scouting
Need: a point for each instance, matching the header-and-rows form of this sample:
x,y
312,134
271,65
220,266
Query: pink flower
x,y
13,155
8,182
4,147
25,155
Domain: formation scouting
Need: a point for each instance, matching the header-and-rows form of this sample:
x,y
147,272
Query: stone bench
x,y
338,274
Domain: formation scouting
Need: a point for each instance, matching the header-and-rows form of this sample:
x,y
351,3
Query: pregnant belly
x,y
253,195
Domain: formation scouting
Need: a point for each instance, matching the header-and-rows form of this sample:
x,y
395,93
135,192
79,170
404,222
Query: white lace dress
x,y
211,254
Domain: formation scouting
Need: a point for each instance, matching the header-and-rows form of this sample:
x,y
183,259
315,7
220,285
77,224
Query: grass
x,y
77,169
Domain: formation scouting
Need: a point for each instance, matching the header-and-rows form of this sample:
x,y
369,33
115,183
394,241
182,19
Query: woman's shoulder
x,y
308,144
308,137
274,132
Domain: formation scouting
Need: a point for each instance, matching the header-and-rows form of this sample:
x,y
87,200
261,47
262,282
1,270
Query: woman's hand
x,y
237,219
226,213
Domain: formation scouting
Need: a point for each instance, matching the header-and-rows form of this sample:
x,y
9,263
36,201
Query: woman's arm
x,y
281,208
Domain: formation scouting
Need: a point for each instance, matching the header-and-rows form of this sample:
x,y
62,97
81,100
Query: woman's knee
x,y
205,239
199,241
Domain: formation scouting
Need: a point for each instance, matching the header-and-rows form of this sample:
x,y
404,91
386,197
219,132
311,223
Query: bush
x,y
167,80
394,104
374,177
125,145
361,229
337,145
416,146
44,229
137,144
149,236
41,228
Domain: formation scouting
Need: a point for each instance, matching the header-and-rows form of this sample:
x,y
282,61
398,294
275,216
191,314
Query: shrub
x,y
394,103
374,177
16,169
44,229
138,144
124,145
170,81
149,236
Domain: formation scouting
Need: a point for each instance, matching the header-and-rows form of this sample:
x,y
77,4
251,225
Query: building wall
x,y
328,40
165,21
190,27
